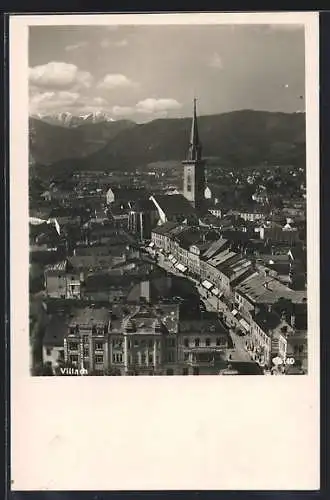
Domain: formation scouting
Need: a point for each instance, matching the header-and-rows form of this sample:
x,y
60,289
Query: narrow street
x,y
238,356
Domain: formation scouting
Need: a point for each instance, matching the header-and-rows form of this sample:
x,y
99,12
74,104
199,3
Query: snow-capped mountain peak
x,y
73,120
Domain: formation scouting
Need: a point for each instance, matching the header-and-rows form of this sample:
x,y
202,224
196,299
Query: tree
x,y
284,306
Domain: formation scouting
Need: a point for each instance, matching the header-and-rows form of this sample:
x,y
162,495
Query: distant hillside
x,y
50,143
238,139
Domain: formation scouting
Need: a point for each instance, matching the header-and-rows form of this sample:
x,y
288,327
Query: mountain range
x,y
50,143
67,119
237,139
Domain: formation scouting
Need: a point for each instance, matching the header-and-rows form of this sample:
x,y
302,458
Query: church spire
x,y
195,148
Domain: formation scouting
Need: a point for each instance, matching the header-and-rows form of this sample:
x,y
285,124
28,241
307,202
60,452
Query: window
x,y
73,359
197,341
117,358
98,346
218,341
169,371
48,352
73,346
185,371
189,182
143,359
186,356
207,342
171,342
186,342
151,343
98,359
170,356
86,352
196,371
85,339
136,343
150,358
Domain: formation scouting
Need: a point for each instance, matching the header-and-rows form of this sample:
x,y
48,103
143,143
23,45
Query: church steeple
x,y
194,168
195,148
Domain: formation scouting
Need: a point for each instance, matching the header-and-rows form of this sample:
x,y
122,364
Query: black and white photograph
x,y
164,228
167,200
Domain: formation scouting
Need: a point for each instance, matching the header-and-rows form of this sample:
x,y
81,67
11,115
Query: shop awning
x,y
170,257
207,284
215,291
181,267
245,325
234,312
151,244
174,261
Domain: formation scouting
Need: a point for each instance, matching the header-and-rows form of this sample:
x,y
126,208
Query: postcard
x,y
164,233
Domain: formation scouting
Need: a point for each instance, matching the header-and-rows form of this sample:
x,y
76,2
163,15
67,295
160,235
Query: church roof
x,y
174,204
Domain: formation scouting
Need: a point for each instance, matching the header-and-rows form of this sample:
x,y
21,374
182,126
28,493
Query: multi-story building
x,y
137,340
161,235
86,343
202,346
268,336
63,281
224,269
261,289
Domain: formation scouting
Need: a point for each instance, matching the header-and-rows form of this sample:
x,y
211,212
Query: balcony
x,y
205,358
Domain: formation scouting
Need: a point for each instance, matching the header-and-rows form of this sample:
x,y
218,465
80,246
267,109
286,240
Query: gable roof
x,y
174,204
165,228
215,247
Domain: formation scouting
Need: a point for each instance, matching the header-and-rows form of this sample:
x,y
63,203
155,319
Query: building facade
x,y
63,281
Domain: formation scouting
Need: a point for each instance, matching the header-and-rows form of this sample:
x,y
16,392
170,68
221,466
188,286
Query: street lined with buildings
x,y
139,282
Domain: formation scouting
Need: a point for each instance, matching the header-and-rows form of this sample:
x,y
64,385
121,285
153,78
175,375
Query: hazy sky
x,y
146,72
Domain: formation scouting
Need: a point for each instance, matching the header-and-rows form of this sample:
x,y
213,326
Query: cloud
x,y
106,43
158,108
99,101
61,101
215,61
122,110
76,46
59,75
53,101
110,82
151,105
